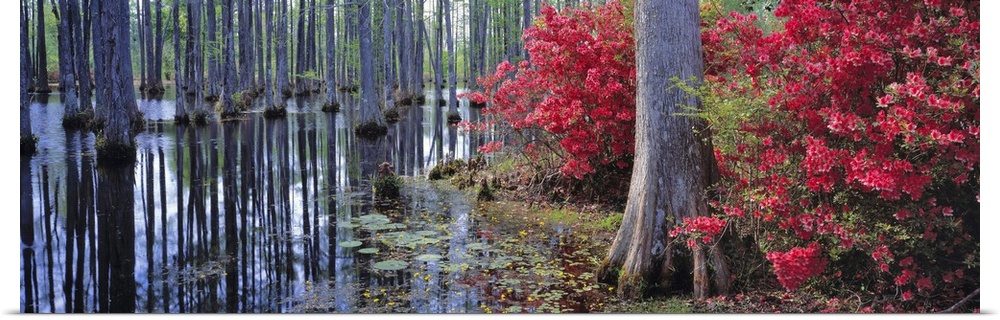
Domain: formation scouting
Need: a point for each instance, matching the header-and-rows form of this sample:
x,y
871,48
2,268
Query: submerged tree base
x,y
419,99
182,119
275,112
80,120
370,130
199,118
230,115
391,115
454,117
109,154
329,107
28,145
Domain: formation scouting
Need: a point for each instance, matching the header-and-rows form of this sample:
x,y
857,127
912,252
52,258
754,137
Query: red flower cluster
x,y
865,114
578,92
796,266
702,229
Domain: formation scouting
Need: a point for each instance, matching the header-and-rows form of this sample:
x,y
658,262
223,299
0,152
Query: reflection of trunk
x,y
304,179
213,219
180,260
72,215
230,199
116,223
27,239
164,261
150,227
246,183
330,180
50,211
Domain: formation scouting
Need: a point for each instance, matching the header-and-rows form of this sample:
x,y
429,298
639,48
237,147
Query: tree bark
x,y
282,82
331,57
27,139
246,46
158,50
387,39
672,157
214,50
229,79
452,73
71,102
117,145
42,76
369,113
180,112
81,56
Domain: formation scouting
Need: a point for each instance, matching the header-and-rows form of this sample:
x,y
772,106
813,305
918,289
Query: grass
x,y
653,305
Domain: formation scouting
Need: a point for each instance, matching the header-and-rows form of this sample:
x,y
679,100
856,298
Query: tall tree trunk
x,y
370,115
100,74
117,144
452,73
438,52
672,160
27,139
312,60
246,46
156,82
82,58
214,50
42,76
142,27
403,46
283,84
71,103
421,32
196,62
229,78
331,58
300,54
269,82
258,26
180,113
387,40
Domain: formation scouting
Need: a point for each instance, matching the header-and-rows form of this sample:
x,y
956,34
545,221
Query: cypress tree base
x,y
454,117
391,115
28,145
370,130
276,112
231,115
182,119
419,99
331,107
199,118
80,120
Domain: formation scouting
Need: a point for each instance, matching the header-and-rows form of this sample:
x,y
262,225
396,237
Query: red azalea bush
x,y
854,128
797,265
576,97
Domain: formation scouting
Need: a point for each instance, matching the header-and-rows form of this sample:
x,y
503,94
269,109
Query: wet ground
x,y
262,215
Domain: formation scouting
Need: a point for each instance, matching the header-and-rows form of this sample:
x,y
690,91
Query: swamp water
x,y
261,215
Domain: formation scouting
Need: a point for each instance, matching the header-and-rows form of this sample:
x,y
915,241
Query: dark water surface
x,y
255,215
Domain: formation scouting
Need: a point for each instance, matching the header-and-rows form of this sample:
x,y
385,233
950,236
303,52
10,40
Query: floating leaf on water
x,y
429,257
350,244
477,246
426,233
391,265
368,250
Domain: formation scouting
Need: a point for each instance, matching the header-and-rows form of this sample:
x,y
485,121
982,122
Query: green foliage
x,y
387,187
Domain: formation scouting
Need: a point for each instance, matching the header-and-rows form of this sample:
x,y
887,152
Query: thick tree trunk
x,y
141,28
42,76
196,63
403,46
246,46
282,83
452,73
300,54
82,58
71,102
214,52
229,79
388,75
180,113
669,177
117,145
27,139
268,82
158,50
100,74
421,32
331,58
437,52
370,115
258,25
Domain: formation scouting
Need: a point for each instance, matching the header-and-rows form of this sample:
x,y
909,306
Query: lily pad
x,y
368,250
426,233
350,244
429,257
391,265
477,246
